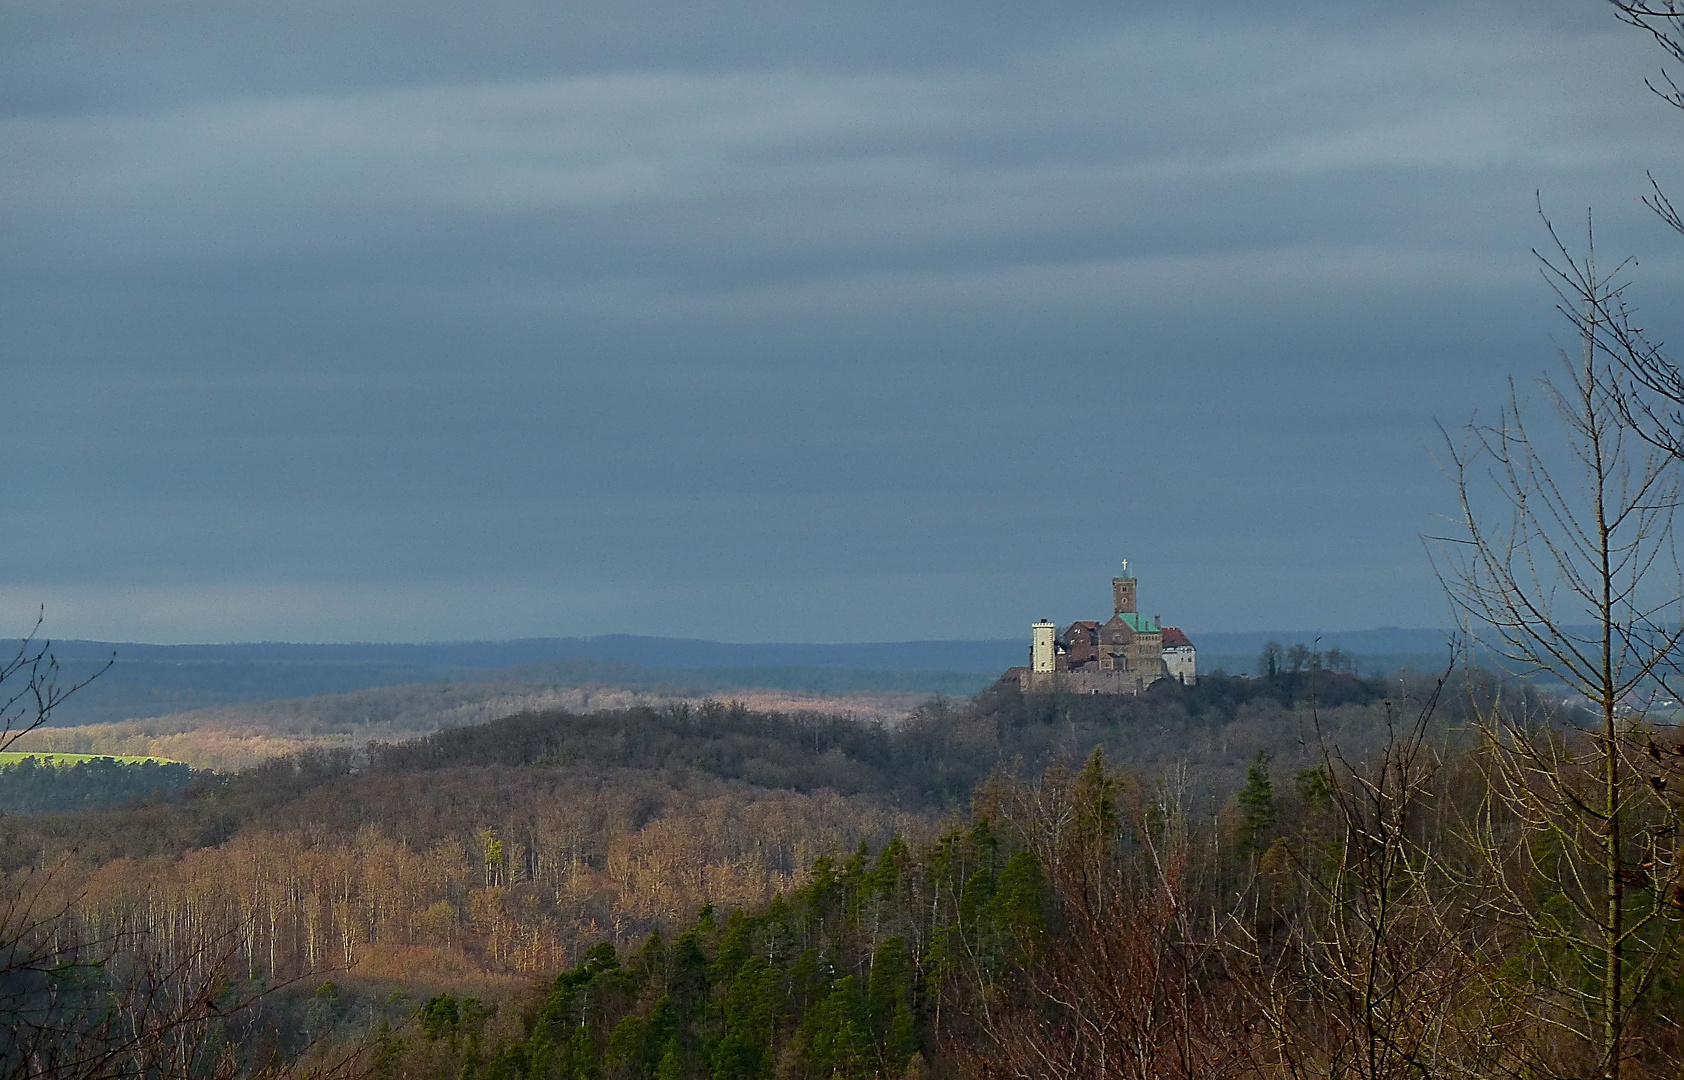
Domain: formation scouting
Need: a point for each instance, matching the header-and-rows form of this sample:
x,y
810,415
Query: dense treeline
x,y
1084,924
510,847
830,981
33,785
929,763
1222,873
232,737
494,873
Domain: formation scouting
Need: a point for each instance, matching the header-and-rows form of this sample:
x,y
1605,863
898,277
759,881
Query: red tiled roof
x,y
1175,639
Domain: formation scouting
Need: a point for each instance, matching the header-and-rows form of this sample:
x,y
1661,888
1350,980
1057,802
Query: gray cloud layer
x,y
758,320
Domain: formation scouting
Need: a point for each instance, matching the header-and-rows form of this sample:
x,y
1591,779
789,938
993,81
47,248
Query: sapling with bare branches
x,y
1350,950
1563,565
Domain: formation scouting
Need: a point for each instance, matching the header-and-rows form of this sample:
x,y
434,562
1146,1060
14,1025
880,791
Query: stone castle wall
x,y
1076,682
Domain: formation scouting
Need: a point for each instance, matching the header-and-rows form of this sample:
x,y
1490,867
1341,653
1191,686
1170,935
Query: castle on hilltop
x,y
1124,655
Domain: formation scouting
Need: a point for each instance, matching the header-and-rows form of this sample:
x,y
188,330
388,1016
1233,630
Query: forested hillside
x,y
861,912
618,819
1086,924
510,847
237,736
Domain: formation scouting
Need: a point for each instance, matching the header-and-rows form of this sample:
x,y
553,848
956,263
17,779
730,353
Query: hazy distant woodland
x,y
233,737
143,681
237,735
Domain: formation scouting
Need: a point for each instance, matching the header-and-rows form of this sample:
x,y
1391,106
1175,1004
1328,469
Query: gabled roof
x,y
1087,623
1175,639
1140,624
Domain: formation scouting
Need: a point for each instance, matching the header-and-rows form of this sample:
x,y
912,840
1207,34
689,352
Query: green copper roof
x,y
1139,623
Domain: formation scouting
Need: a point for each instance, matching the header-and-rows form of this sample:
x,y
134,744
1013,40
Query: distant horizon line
x,y
1301,635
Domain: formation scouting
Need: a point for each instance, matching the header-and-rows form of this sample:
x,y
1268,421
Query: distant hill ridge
x,y
696,654
646,652
1385,640
154,680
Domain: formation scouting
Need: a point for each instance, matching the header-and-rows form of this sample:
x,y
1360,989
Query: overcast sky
x,y
429,321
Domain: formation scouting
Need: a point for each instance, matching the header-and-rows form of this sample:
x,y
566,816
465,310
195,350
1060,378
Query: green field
x,y
46,757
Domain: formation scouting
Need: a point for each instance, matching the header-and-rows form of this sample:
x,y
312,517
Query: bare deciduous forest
x,y
475,860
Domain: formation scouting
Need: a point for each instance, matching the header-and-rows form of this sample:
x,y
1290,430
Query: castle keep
x,y
1123,655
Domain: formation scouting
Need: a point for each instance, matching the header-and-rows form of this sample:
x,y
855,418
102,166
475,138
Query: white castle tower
x,y
1042,654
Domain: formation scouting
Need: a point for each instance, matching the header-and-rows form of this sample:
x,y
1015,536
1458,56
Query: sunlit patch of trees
x,y
34,785
566,863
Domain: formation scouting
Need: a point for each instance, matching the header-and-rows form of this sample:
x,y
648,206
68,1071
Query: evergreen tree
x,y
1258,811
